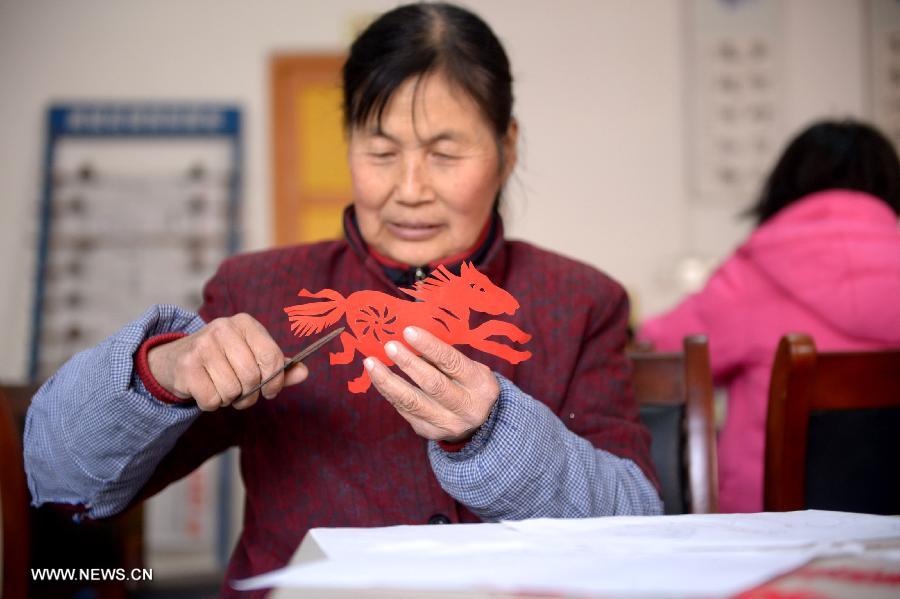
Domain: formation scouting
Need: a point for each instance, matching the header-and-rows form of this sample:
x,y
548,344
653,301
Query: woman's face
x,y
424,183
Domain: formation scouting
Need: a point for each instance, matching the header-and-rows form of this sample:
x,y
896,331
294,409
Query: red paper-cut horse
x,y
444,303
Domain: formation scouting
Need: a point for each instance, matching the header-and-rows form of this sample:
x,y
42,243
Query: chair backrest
x,y
833,429
15,548
675,395
47,536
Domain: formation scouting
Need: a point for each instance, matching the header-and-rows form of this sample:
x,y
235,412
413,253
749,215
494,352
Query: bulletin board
x,y
311,180
139,206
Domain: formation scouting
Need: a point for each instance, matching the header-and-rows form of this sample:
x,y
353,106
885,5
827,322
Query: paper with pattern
x,y
442,307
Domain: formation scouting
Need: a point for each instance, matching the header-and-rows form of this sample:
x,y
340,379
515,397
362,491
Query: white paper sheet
x,y
818,530
678,575
665,556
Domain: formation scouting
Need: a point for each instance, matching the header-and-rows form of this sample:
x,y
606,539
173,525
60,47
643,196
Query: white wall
x,y
600,99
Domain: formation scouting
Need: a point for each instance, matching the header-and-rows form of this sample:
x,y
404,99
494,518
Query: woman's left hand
x,y
452,395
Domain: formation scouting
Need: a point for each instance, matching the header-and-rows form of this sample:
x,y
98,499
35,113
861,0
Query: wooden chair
x,y
833,429
46,537
14,506
675,396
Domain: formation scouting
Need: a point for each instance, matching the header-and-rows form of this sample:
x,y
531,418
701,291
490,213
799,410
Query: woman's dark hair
x,y
417,39
832,155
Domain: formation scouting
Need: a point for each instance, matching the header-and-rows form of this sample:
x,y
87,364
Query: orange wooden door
x,y
311,178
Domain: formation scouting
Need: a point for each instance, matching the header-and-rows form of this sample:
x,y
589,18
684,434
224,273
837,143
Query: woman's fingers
x,y
296,374
201,388
467,387
444,356
223,374
450,395
220,363
401,394
266,355
268,360
236,341
432,381
406,399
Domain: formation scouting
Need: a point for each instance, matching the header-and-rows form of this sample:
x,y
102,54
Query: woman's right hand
x,y
222,361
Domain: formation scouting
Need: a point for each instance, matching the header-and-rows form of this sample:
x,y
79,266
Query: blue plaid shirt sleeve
x,y
524,463
93,433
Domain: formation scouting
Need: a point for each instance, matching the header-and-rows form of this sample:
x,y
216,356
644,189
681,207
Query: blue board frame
x,y
136,120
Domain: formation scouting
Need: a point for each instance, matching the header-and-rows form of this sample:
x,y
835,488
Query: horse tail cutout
x,y
311,318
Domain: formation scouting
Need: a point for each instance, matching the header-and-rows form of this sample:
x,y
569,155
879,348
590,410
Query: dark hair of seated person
x,y
831,155
418,39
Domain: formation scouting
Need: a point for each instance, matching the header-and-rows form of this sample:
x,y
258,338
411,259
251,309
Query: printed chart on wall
x,y
884,66
735,103
139,207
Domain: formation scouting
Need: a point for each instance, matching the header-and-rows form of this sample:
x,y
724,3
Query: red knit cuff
x,y
454,446
142,365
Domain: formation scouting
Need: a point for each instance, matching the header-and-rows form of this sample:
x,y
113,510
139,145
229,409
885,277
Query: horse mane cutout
x,y
439,279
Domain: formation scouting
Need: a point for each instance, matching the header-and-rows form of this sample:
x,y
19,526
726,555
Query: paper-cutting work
x,y
442,307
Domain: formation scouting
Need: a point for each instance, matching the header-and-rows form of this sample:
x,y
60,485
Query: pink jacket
x,y
827,265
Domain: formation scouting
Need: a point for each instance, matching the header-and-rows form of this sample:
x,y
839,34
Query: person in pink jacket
x,y
823,260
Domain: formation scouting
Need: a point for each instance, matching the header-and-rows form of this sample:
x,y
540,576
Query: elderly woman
x,y
467,436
